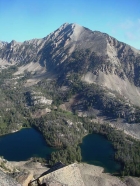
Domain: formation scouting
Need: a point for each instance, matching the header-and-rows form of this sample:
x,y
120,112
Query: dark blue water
x,y
28,143
24,144
97,150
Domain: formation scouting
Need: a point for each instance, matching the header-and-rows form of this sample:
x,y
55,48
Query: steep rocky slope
x,y
101,59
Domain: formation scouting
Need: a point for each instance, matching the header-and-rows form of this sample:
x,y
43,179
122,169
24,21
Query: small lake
x,y
97,150
24,144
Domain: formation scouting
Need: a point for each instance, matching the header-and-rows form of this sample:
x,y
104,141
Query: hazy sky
x,y
27,19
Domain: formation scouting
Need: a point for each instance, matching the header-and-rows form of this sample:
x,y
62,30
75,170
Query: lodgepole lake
x,y
28,142
24,144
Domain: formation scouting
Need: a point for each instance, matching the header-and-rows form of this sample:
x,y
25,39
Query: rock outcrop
x,y
76,174
85,175
6,180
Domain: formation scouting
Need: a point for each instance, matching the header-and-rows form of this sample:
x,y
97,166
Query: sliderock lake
x,y
97,150
28,143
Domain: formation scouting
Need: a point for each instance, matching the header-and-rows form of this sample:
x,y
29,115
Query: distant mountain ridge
x,y
120,63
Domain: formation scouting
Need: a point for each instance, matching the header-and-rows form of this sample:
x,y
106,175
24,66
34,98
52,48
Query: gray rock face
x,y
7,180
85,175
68,36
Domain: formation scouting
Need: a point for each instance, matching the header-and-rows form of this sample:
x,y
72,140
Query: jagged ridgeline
x,y
68,83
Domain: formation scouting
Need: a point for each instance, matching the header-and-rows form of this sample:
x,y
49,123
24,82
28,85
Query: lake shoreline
x,y
14,131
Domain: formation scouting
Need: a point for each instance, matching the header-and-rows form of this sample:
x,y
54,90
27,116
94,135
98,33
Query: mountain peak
x,y
70,24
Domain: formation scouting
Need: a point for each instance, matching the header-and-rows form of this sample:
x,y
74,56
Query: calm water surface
x,y
27,143
24,144
97,150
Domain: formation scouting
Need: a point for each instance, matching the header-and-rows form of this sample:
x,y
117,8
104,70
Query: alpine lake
x,y
28,142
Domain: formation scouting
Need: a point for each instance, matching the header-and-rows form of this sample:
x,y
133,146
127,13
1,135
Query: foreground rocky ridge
x,y
71,175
